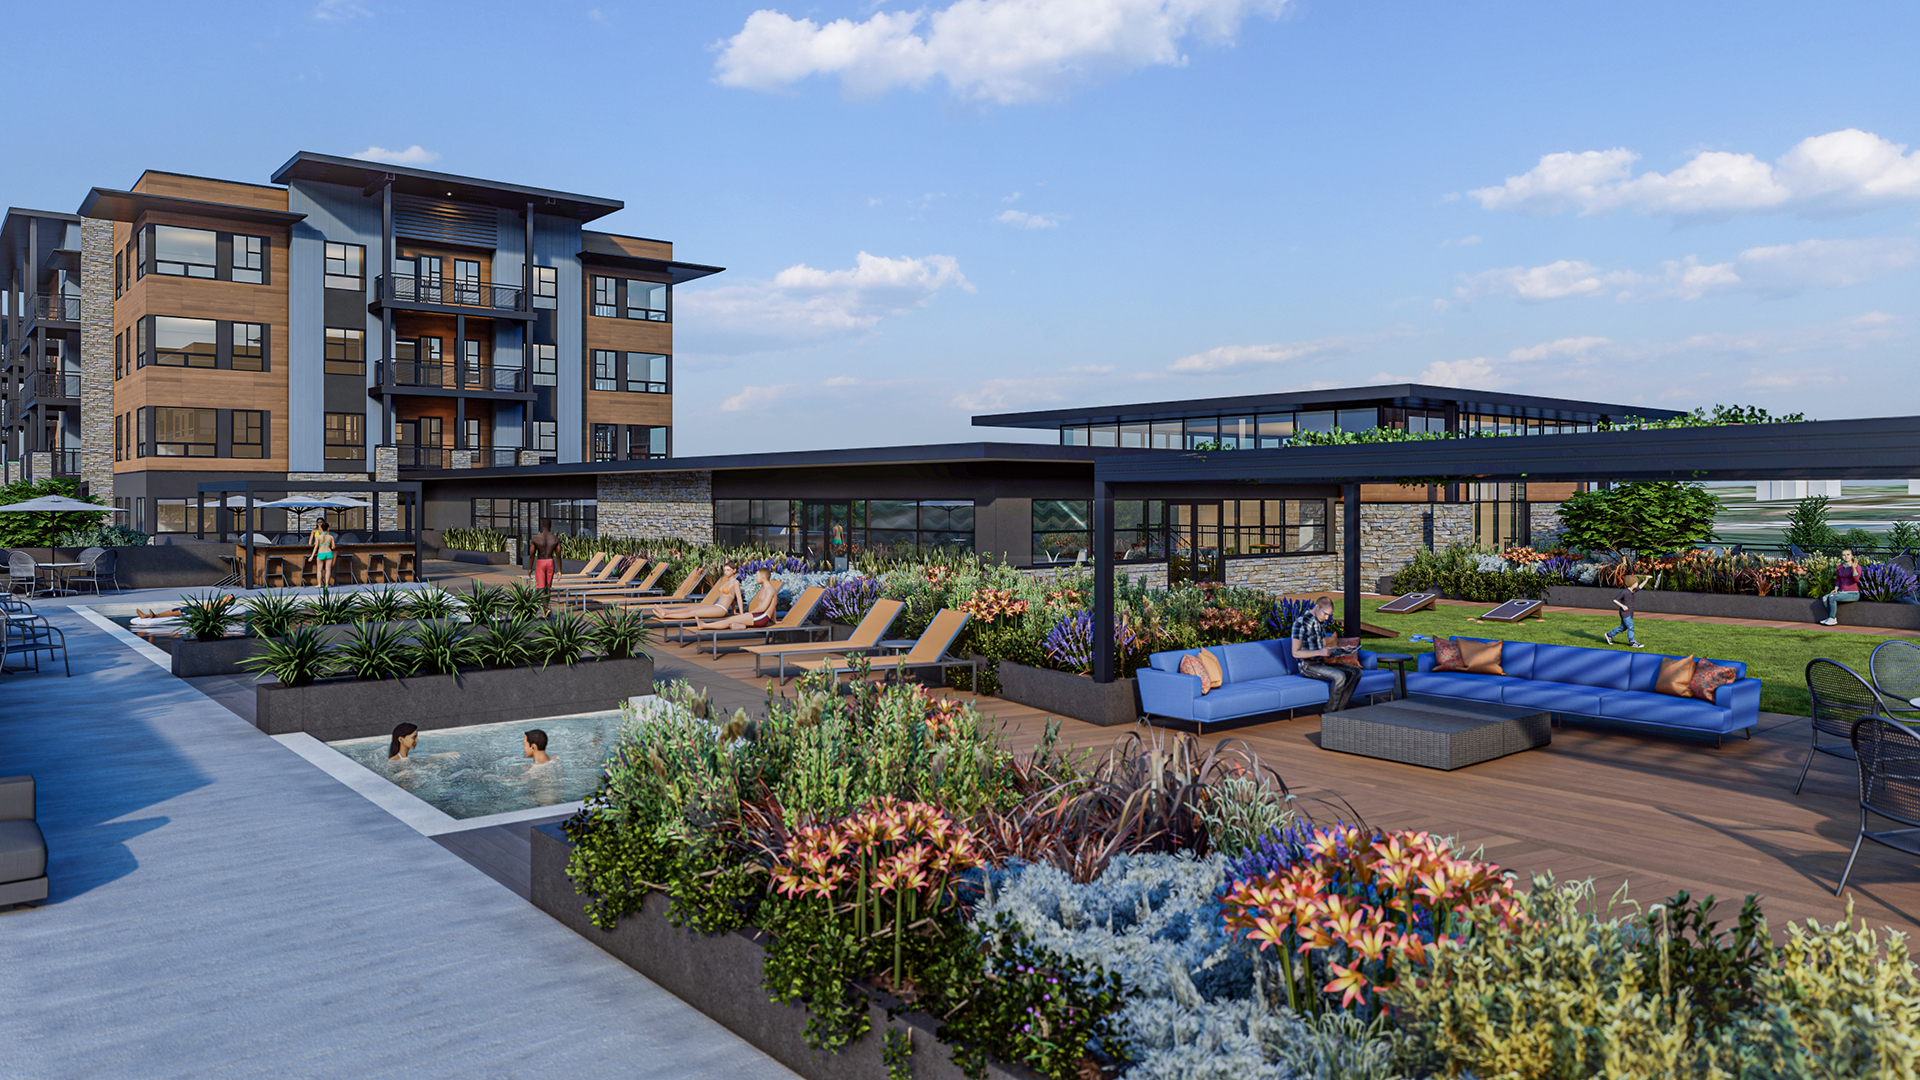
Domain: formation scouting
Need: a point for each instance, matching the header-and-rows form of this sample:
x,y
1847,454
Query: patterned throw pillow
x,y
1211,665
1447,655
1351,659
1708,677
1676,677
1482,657
1190,665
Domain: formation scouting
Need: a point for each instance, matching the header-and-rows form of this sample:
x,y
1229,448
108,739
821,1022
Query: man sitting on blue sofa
x,y
1310,649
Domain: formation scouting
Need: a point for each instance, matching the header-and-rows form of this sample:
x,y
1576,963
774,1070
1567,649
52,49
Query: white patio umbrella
x,y
57,504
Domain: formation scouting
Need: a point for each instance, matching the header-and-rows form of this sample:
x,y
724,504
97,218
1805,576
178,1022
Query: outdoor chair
x,y
286,569
408,571
865,638
1894,668
378,567
626,578
930,651
793,622
647,593
31,635
763,604
597,569
1840,698
22,572
1889,755
98,570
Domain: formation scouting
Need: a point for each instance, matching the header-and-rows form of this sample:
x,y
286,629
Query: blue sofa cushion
x,y
1553,696
1583,667
1375,681
1250,660
1457,684
1241,699
1663,709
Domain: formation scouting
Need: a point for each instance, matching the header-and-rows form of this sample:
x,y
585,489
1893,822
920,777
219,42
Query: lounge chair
x,y
597,569
928,652
761,606
625,579
865,638
636,597
795,621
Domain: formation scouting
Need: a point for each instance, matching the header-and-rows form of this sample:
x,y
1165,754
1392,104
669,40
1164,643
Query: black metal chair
x,y
1895,670
1889,755
1840,698
100,569
31,635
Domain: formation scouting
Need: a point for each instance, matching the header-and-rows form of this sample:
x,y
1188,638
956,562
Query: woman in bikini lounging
x,y
726,598
759,610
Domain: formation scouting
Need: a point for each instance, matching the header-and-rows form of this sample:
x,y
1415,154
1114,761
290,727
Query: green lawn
x,y
1778,658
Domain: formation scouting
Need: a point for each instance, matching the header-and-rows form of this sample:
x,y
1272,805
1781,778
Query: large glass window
x,y
546,435
606,296
545,365
895,527
249,347
250,259
645,441
346,435
1273,430
184,432
346,266
181,342
143,244
647,300
1062,530
1358,419
606,373
143,427
647,373
185,252
466,281
606,439
546,287
346,351
1306,526
249,433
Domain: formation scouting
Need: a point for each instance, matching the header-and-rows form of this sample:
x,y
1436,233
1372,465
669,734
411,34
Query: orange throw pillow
x,y
1205,667
1351,659
1215,677
1482,657
1447,656
1708,677
1676,677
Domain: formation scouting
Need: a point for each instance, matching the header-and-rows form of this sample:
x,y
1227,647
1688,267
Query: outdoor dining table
x,y
54,573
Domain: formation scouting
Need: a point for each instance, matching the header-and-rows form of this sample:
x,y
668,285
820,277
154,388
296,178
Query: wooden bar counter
x,y
358,559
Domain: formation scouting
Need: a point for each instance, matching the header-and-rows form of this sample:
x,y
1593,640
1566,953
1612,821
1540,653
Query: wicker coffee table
x,y
1440,733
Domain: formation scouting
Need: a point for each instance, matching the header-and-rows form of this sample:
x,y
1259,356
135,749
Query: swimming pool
x,y
477,771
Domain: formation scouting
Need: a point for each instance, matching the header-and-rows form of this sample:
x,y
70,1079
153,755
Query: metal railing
x,y
60,308
445,376
424,457
441,457
51,385
425,290
66,463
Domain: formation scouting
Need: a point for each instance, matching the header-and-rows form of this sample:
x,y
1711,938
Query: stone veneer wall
x,y
677,504
96,357
386,470
1543,522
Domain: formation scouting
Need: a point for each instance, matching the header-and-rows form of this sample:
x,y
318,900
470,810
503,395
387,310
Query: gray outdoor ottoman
x,y
1435,732
23,850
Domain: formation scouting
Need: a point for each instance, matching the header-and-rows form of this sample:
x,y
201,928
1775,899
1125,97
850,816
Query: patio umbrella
x,y
58,504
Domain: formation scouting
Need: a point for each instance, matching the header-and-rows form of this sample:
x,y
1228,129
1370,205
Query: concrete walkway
x,y
221,908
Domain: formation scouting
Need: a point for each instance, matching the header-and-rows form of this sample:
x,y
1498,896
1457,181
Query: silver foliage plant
x,y
1197,1008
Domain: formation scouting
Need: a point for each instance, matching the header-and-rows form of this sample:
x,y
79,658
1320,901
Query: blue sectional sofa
x,y
1260,677
1605,684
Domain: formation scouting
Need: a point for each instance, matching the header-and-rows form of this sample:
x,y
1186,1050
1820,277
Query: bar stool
x,y
345,564
377,567
408,572
284,568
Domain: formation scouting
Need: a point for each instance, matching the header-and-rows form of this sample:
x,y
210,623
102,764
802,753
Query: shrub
x,y
431,602
386,604
1807,526
1886,582
269,614
295,658
621,632
847,601
1904,536
484,603
523,601
106,536
439,647
474,540
501,643
331,608
373,650
563,640
209,616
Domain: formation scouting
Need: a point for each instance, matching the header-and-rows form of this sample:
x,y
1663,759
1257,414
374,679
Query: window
x,y
346,352
606,296
647,373
647,300
466,282
119,437
1061,530
249,347
645,442
119,272
606,374
546,287
878,526
546,435
184,342
346,266
346,435
140,435
143,242
183,432
185,252
1306,526
546,365
249,433
170,515
605,439
250,259
570,517
119,355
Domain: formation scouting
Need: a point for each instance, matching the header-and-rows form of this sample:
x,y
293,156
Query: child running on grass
x,y
1624,601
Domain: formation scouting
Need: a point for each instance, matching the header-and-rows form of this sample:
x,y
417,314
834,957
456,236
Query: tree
x,y
37,529
1807,526
1647,516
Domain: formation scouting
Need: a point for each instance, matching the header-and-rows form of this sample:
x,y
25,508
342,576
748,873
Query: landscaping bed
x,y
331,709
225,656
489,558
1735,606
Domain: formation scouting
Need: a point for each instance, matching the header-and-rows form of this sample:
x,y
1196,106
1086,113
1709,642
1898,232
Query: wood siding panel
x,y
637,246
1550,493
628,335
620,407
206,190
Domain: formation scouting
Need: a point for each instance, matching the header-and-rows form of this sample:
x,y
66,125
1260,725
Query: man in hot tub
x,y
535,747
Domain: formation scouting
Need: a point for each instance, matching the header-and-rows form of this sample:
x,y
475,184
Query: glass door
x,y
828,534
1194,543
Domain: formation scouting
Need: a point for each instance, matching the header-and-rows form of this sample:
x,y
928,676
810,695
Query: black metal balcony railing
x,y
66,463
424,457
499,457
441,457
422,290
444,376
61,308
49,385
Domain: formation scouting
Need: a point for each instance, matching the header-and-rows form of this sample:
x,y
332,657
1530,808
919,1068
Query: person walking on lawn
x,y
1624,601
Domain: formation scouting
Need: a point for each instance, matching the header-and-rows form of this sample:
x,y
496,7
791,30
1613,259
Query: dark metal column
x,y
1350,610
386,313
1103,644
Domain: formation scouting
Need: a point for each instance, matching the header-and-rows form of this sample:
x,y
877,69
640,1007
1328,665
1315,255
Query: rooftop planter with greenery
x,y
1168,911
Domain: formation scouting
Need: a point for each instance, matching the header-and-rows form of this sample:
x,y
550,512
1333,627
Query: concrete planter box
x,y
193,657
722,977
1801,609
489,558
1114,704
358,708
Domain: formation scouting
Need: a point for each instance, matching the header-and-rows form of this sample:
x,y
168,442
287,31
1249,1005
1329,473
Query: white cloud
x,y
1477,373
1465,241
412,155
842,380
1023,220
1484,373
1779,270
805,305
1002,51
339,11
755,398
1229,357
1839,171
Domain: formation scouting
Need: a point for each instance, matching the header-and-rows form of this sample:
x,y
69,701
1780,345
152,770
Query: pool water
x,y
476,771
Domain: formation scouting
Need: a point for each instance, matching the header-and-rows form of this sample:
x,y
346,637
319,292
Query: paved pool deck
x,y
221,908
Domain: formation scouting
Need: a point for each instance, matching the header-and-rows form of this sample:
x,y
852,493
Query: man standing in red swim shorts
x,y
545,546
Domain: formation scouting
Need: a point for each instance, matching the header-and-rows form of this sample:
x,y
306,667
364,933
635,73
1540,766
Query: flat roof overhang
x,y
355,173
939,454
1407,395
127,206
676,273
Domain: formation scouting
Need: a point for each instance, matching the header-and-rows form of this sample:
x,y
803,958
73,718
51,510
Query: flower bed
x,y
1471,574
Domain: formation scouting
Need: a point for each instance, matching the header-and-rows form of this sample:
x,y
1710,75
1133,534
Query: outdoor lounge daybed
x,y
1259,678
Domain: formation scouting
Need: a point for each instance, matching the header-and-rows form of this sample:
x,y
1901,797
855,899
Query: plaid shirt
x,y
1310,632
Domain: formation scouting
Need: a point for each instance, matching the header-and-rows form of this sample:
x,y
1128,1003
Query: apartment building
x,y
40,339
355,320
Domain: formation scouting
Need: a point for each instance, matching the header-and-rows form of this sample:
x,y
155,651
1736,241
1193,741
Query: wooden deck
x,y
1657,812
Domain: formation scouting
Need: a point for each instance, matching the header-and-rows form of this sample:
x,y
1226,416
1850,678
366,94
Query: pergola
x,y
1869,449
407,492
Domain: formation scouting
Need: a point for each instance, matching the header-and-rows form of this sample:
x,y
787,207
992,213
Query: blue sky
x,y
1003,204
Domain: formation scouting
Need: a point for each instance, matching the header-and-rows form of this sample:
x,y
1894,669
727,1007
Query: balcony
x,y
440,378
433,294
441,457
66,463
51,385
56,308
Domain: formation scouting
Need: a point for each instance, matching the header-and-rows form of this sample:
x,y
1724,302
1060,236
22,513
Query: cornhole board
x,y
1411,602
1514,610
